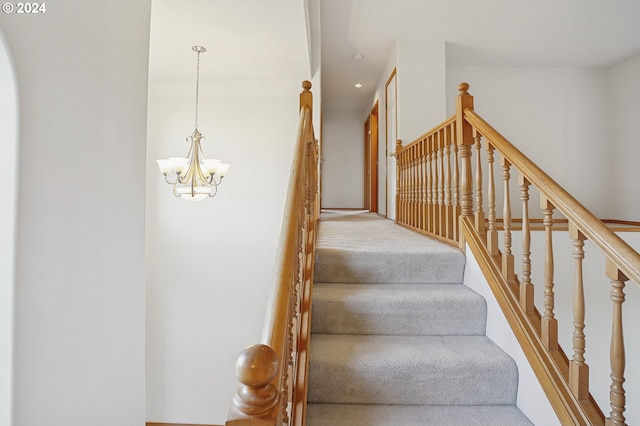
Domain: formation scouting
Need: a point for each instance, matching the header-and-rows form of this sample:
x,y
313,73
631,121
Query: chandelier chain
x,y
197,86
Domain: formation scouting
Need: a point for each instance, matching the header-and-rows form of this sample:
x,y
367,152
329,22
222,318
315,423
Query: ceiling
x,y
247,41
268,40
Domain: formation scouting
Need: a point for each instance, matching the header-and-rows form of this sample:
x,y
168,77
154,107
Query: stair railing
x,y
273,374
442,191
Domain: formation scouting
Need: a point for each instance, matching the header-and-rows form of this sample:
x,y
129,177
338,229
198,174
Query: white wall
x,y
79,297
343,159
386,162
421,88
622,138
420,75
531,398
210,264
8,166
542,110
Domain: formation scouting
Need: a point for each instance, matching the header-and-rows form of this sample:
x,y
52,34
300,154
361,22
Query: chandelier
x,y
194,177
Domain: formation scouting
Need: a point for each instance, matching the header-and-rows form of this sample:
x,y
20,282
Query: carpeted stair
x,y
397,339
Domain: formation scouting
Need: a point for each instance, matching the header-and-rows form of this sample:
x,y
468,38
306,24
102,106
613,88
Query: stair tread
x,y
366,248
409,309
410,370
397,339
411,415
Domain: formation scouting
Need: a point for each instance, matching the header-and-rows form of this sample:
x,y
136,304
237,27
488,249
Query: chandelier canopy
x,y
194,177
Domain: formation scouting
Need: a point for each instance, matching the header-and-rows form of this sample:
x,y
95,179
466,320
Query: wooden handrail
x,y
441,179
272,374
615,248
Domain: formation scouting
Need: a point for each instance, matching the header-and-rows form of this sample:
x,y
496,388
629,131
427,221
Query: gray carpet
x,y
397,339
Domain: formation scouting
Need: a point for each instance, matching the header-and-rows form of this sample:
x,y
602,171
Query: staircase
x,y
397,339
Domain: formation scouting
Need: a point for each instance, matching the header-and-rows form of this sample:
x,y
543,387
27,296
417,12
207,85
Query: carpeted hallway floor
x,y
397,339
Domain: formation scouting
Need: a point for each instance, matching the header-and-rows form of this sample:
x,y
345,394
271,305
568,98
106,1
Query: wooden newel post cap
x,y
463,87
256,368
306,85
257,365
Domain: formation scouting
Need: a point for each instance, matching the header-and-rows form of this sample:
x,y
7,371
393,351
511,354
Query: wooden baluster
x,y
617,356
256,368
492,233
294,322
398,179
479,213
526,288
549,322
412,164
416,208
425,174
405,183
405,191
311,182
431,180
403,187
414,185
441,218
447,183
578,369
464,133
284,391
465,187
507,256
409,191
434,182
416,178
419,186
456,184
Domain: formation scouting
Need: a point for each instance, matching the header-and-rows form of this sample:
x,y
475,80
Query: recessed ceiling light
x,y
358,86
357,56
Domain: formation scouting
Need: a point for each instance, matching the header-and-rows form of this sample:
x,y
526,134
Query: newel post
x,y
306,98
257,396
464,140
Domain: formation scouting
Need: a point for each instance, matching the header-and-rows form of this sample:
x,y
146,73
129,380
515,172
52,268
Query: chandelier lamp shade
x,y
194,177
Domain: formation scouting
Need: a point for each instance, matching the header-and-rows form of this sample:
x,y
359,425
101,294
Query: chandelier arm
x,y
190,141
175,190
166,179
214,191
215,182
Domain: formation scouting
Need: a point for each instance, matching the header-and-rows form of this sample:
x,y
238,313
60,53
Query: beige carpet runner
x,y
397,339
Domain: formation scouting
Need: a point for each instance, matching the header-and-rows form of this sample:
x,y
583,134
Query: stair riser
x,y
397,310
414,371
344,266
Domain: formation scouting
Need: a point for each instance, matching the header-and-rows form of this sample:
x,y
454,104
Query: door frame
x,y
371,160
391,135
